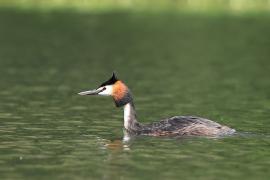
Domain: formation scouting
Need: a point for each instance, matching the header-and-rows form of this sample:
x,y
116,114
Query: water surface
x,y
176,64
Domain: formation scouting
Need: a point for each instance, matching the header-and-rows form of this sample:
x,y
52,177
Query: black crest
x,y
111,81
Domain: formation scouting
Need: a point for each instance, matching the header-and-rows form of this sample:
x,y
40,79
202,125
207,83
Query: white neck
x,y
127,113
129,116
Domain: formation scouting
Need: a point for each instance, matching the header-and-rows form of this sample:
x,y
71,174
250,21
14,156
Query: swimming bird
x,y
173,126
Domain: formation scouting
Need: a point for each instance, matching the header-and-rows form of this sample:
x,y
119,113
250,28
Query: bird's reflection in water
x,y
121,144
118,152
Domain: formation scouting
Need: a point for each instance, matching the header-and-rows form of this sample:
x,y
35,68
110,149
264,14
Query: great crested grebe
x,y
174,126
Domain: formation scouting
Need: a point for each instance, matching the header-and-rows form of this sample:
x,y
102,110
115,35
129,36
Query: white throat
x,y
129,116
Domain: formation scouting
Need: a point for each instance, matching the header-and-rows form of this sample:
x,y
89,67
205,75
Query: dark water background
x,y
214,66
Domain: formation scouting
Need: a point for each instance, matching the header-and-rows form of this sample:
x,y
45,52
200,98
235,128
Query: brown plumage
x,y
119,90
186,126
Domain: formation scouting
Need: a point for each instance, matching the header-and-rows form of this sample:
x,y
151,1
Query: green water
x,y
216,67
205,6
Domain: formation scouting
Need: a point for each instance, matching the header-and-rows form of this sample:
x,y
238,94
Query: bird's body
x,y
184,126
174,126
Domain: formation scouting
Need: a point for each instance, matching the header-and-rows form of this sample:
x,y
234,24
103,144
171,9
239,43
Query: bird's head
x,y
112,87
